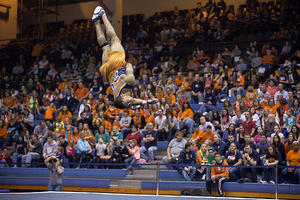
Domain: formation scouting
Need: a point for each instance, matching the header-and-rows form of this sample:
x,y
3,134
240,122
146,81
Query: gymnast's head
x,y
123,101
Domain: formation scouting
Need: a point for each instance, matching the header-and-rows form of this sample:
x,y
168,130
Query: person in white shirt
x,y
203,124
238,119
277,132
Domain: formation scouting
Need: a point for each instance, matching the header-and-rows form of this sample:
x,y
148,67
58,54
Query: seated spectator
x,y
83,150
248,142
258,135
3,133
208,135
187,157
277,131
135,134
125,123
185,117
134,151
175,146
238,119
288,145
65,114
261,147
160,125
249,124
5,158
273,158
209,101
100,151
172,125
203,124
35,150
202,159
116,156
70,153
197,89
20,150
218,144
150,143
49,148
230,131
234,157
291,175
250,158
230,138
218,175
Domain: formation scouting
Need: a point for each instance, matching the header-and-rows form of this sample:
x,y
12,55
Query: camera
x,y
53,160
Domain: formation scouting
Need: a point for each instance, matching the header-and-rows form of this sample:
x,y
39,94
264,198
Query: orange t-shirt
x,y
179,81
9,101
3,131
160,95
268,59
81,92
170,99
49,113
107,126
150,118
293,157
64,116
61,86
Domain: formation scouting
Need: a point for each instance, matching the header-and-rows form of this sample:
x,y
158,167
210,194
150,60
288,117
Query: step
x,y
132,184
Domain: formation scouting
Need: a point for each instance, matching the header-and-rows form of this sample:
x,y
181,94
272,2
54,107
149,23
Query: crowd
x,y
237,107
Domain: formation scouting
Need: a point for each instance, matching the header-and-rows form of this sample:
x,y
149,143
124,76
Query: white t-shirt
x,y
160,121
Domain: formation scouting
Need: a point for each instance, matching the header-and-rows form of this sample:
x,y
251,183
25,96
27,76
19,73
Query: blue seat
x,y
219,106
40,117
170,174
232,99
36,122
162,144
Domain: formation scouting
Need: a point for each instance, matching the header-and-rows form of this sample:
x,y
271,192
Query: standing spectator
x,y
56,173
292,175
273,158
160,123
41,131
250,158
150,143
35,151
69,101
49,147
175,146
187,157
197,89
218,175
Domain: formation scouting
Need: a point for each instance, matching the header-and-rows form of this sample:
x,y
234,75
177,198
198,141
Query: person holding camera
x,y
134,151
56,173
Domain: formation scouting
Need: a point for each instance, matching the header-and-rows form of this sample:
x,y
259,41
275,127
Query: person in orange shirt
x,y
81,92
292,175
3,133
75,136
272,89
49,112
149,118
185,117
198,134
111,113
218,175
208,135
60,130
64,114
193,64
179,79
272,107
62,85
159,93
170,98
8,100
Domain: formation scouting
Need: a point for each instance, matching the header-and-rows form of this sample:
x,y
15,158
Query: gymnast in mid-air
x,y
114,67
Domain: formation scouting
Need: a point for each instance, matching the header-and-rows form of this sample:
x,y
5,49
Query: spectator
x,y
234,158
21,148
3,133
203,125
248,142
278,133
83,150
291,175
41,131
5,158
250,158
125,123
175,146
185,117
134,151
197,89
150,143
261,147
135,134
279,146
160,123
49,148
56,173
218,175
282,92
187,157
273,158
249,124
218,144
35,150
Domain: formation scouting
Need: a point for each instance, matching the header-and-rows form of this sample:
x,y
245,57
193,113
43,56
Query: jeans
x,y
54,187
234,174
165,161
206,108
15,158
2,143
130,162
268,174
149,152
189,124
291,177
250,173
189,176
3,163
26,159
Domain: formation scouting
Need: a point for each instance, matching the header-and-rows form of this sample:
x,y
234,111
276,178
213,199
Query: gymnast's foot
x,y
98,13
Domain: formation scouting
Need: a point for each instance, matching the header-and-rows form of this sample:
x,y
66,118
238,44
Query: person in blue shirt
x,y
234,157
250,158
83,149
150,143
186,157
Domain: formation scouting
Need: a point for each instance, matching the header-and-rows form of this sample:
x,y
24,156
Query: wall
x,y
8,23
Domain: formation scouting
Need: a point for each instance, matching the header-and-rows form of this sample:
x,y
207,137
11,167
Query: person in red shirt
x,y
5,158
135,134
249,124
